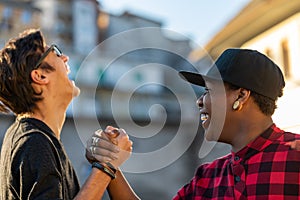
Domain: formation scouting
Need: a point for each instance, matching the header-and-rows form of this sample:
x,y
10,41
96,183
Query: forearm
x,y
101,149
120,189
95,186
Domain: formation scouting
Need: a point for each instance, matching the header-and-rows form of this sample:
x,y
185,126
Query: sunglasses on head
x,y
53,48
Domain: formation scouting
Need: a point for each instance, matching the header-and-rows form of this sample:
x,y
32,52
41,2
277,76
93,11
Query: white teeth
x,y
204,117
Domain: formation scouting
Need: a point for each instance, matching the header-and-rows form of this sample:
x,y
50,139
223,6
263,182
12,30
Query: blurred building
x,y
15,16
272,27
134,56
126,66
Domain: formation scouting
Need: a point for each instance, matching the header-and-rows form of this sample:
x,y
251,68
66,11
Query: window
x,y
286,58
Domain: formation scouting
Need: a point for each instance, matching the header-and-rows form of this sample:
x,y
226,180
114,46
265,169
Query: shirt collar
x,y
38,124
260,143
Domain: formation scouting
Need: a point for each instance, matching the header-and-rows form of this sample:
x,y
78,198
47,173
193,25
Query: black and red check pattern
x,y
267,168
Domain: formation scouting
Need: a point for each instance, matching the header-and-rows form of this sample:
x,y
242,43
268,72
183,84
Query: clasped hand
x,y
109,146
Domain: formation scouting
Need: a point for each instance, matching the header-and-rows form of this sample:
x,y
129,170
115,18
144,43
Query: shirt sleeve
x,y
194,189
179,195
187,191
36,168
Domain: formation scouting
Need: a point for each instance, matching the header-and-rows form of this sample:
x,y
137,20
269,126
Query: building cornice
x,y
257,17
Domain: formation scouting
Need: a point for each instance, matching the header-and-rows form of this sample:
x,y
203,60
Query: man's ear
x,y
244,95
39,77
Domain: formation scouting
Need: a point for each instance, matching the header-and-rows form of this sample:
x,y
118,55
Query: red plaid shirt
x,y
267,168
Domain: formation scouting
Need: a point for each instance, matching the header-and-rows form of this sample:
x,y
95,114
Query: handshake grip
x,y
112,135
106,167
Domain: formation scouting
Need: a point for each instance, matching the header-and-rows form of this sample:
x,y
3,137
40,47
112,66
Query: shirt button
x,y
236,158
237,179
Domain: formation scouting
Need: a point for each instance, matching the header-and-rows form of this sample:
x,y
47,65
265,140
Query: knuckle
x,y
122,131
111,154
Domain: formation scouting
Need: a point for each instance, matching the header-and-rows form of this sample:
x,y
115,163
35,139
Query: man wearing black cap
x,y
242,88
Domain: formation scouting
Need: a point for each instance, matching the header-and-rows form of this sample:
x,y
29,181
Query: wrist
x,y
111,166
105,169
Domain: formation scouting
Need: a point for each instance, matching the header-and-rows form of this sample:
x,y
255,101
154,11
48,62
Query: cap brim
x,y
197,79
193,78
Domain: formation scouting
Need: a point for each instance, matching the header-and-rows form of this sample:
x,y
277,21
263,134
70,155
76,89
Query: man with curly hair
x,y
34,85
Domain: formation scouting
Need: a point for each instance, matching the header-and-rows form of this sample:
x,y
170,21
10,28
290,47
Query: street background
x,y
125,56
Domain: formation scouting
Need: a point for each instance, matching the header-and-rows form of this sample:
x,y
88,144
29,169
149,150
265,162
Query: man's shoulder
x,y
22,138
292,140
285,145
33,137
28,129
285,135
28,135
289,136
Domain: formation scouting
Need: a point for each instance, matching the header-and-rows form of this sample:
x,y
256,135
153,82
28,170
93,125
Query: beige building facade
x,y
282,44
271,27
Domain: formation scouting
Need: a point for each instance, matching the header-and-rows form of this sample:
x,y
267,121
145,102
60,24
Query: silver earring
x,y
236,105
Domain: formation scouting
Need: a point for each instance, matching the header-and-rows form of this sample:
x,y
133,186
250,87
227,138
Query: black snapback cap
x,y
244,68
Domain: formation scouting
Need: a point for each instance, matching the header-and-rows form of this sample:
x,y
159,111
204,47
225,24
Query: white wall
x,y
286,116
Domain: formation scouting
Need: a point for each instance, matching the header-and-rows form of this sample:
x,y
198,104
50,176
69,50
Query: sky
x,y
199,20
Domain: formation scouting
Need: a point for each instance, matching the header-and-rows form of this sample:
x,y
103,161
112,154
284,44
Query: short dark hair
x,y
17,60
266,105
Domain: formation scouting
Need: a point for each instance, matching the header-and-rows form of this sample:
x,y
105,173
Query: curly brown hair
x,y
17,60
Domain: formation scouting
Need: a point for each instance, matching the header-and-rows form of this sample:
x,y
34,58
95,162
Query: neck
x,y
249,131
52,118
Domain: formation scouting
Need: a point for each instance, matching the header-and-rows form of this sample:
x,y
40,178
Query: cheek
x,y
63,73
218,103
218,113
207,101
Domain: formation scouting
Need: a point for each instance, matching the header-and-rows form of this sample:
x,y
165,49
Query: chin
x,y
76,91
212,135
